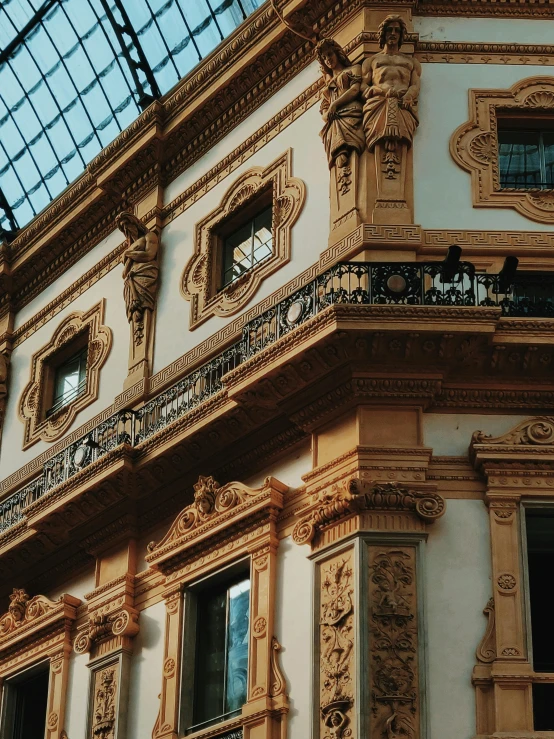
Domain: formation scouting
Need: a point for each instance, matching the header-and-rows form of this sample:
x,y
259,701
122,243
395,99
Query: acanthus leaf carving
x,y
103,724
357,495
394,646
123,623
536,431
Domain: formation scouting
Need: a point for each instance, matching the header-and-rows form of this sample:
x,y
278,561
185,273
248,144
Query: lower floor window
x,y
220,634
24,705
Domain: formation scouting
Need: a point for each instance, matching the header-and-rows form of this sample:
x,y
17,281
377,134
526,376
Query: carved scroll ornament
x,y
357,495
486,651
474,146
104,625
537,431
23,610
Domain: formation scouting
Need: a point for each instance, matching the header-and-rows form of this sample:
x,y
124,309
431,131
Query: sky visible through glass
x,y
66,88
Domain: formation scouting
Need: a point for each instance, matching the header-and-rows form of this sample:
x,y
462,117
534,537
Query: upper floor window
x,y
24,704
70,380
247,246
218,638
526,153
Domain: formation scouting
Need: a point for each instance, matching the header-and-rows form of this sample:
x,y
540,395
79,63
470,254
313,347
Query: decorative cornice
x,y
355,495
537,431
214,513
463,52
27,615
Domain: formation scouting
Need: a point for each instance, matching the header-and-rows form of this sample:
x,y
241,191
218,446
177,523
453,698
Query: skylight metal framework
x,y
74,73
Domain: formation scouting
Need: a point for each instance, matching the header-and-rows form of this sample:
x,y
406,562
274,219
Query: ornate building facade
x,y
277,394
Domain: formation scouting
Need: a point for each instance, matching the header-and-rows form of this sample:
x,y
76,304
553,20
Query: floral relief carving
x,y
506,581
337,648
393,664
199,283
31,407
358,495
103,724
474,147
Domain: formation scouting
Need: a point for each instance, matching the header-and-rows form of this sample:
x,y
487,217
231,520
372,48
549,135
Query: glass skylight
x,y
67,89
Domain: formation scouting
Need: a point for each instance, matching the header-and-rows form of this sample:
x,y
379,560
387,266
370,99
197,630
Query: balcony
x,y
431,284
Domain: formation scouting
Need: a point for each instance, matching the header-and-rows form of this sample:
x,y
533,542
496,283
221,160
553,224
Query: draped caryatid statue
x,y
370,118
140,271
140,288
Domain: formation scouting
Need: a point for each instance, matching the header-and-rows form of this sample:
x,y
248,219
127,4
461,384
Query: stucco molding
x,y
474,147
199,283
32,403
223,525
37,629
471,8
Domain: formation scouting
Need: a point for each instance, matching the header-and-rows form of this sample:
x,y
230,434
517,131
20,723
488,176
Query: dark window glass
x,y
70,380
526,159
221,667
540,560
247,246
543,706
30,698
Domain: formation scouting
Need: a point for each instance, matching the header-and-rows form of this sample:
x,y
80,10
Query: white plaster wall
x,y
76,706
112,374
309,236
449,434
146,673
293,626
442,189
457,585
485,30
289,469
77,586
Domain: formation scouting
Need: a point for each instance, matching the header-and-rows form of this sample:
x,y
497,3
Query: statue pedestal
x,y
391,165
349,195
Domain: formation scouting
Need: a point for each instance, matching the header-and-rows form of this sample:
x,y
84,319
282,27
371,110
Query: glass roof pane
x,y
66,84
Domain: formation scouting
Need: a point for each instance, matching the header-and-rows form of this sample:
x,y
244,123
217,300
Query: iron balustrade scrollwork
x,y
353,283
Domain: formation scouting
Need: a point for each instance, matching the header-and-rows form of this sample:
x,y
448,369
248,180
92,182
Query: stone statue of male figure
x,y
390,87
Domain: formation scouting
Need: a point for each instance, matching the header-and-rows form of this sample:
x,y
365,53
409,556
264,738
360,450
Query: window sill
x,y
217,730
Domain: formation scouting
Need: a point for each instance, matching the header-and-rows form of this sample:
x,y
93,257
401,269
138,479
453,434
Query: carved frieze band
x,y
355,496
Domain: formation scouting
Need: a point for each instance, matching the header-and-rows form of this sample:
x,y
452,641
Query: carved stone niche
x,y
474,145
35,630
225,524
77,330
107,635
517,466
201,282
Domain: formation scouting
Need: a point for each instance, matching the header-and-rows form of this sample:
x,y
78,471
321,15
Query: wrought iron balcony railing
x,y
361,283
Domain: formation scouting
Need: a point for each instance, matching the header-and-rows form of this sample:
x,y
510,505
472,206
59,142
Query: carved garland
x,y
35,629
199,281
225,524
31,407
474,146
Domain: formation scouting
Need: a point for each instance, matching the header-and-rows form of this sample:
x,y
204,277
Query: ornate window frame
x,y
34,630
199,281
32,411
519,468
222,526
474,146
